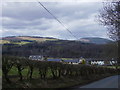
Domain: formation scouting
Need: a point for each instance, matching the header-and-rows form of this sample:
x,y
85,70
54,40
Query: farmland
x,y
24,40
23,73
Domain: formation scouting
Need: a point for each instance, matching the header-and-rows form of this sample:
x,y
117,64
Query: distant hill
x,y
24,39
29,39
24,46
95,40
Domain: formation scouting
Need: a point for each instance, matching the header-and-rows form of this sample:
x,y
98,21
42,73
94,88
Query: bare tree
x,y
110,17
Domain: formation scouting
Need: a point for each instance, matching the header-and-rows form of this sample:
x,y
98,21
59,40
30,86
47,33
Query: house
x,y
98,61
65,61
36,57
75,61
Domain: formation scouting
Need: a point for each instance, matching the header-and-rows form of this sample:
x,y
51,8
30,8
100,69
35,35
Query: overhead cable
x,y
58,20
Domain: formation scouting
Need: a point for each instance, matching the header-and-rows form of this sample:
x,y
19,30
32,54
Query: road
x,y
109,82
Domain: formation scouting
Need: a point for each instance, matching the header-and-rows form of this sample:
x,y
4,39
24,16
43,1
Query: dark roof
x,y
71,61
98,59
35,55
57,60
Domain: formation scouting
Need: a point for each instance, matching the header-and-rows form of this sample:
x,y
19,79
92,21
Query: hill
x,y
29,39
95,40
24,39
52,47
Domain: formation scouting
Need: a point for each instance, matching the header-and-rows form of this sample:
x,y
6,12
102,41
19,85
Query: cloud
x,y
32,19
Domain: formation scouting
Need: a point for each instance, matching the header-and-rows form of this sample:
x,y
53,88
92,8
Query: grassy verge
x,y
0,72
63,82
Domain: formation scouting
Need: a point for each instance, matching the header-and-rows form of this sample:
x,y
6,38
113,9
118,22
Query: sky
x,y
30,19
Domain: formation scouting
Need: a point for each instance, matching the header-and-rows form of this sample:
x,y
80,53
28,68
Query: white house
x,y
36,57
74,61
97,62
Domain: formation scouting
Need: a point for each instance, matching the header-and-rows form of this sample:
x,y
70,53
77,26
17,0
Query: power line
x,y
58,20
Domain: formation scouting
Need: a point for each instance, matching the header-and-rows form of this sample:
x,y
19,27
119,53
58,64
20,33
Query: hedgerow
x,y
56,69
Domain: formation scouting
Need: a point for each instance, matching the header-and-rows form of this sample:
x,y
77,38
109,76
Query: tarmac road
x,y
109,82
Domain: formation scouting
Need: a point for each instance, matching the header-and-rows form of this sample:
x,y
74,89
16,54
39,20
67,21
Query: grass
x,y
37,82
36,39
66,58
0,72
21,43
63,58
25,42
4,41
112,67
63,82
14,71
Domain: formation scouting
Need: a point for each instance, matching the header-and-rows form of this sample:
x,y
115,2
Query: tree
x,y
110,17
7,64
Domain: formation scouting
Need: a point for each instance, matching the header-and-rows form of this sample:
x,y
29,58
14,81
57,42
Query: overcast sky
x,y
30,19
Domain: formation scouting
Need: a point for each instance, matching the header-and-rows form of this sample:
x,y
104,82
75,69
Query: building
x,y
87,61
98,61
75,61
36,57
54,60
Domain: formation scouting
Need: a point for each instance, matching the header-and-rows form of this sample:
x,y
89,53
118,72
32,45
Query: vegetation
x,y
109,16
62,49
4,41
0,72
22,40
21,70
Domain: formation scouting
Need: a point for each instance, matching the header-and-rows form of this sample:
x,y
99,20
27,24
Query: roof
x,y
35,55
99,59
74,61
57,60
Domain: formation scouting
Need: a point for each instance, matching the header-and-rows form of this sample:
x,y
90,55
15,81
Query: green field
x,y
23,73
4,41
21,43
14,71
36,82
20,40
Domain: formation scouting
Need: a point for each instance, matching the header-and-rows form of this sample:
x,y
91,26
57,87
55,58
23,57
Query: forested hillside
x,y
61,48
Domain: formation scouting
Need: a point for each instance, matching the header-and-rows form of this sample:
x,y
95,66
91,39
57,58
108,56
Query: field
x,y
37,82
23,73
63,82
36,39
4,41
24,40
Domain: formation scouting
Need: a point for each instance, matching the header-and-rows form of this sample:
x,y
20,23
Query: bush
x,y
56,69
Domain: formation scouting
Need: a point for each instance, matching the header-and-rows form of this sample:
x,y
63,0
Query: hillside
x,y
21,40
24,39
95,40
26,45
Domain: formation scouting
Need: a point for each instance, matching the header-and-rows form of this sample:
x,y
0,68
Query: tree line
x,y
62,49
45,68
